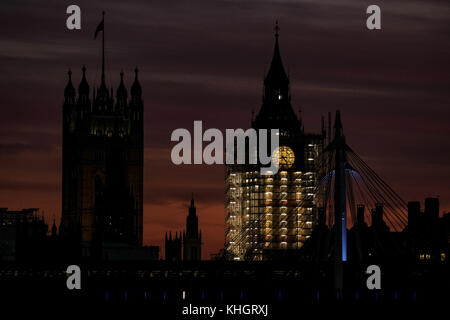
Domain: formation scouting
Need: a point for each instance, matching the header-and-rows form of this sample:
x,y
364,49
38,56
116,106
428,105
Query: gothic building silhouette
x,y
102,178
186,245
269,214
192,238
173,247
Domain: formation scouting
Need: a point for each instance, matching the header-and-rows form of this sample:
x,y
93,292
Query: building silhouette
x,y
186,245
102,187
23,235
173,247
425,239
268,217
192,238
271,213
427,235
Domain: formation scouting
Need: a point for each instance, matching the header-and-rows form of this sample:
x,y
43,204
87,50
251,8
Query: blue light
x,y
344,236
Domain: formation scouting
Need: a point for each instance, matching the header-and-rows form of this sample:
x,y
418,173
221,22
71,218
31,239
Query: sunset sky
x,y
205,60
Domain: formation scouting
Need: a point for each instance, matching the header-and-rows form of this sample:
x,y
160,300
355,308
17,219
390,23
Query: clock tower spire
x,y
283,216
276,110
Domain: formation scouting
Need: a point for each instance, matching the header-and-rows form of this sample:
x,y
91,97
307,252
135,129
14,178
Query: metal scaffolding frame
x,y
270,212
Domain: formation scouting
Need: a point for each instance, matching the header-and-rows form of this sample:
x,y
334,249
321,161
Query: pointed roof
x,y
276,110
192,201
276,74
102,91
192,208
69,91
83,87
136,89
54,228
121,90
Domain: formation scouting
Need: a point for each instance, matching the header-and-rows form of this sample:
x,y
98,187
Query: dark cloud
x,y
15,148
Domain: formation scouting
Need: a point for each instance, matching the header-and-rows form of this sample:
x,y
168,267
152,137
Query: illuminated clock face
x,y
283,157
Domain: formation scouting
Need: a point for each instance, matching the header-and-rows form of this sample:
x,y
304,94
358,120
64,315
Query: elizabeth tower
x,y
269,215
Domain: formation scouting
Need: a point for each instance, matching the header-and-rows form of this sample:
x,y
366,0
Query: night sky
x,y
205,60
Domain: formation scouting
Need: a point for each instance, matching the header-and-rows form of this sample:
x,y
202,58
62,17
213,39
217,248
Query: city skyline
x,y
187,71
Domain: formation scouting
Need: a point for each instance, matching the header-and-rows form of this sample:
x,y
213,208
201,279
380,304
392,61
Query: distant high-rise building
x,y
274,212
192,238
102,178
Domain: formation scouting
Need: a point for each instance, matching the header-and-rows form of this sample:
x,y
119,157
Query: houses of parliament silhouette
x,y
102,187
102,178
102,175
275,218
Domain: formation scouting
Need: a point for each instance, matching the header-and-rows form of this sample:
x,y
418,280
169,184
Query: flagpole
x,y
103,49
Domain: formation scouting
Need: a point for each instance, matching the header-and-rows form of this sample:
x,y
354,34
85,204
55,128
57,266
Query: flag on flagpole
x,y
99,28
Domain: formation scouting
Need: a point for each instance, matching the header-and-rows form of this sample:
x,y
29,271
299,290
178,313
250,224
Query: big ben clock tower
x,y
270,213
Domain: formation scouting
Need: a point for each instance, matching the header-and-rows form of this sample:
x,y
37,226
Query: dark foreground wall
x,y
285,287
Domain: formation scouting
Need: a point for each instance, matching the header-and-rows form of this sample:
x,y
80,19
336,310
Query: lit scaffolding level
x,y
268,212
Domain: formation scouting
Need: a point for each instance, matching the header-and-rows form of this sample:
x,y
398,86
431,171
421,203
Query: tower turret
x,y
54,228
136,109
69,91
136,90
84,104
192,221
121,93
69,109
121,96
83,88
276,83
192,242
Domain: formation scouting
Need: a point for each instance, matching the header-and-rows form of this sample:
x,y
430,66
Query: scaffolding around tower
x,y
269,213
